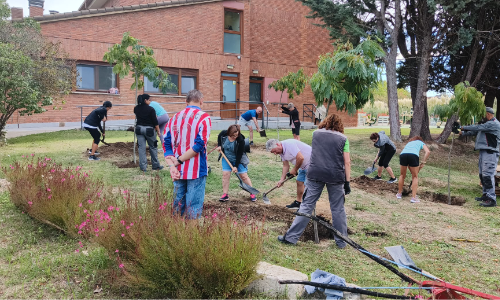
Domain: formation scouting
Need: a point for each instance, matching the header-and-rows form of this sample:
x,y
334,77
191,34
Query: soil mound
x,y
259,212
381,187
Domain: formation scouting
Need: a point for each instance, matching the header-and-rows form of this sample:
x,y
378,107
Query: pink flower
x,y
123,234
48,190
214,215
47,159
30,166
122,222
11,167
85,211
125,191
52,171
110,208
90,201
96,234
140,217
117,209
229,208
85,175
22,156
77,250
64,179
128,227
80,205
79,232
98,194
116,251
102,229
50,197
264,233
71,177
30,203
44,164
96,230
32,154
121,266
131,224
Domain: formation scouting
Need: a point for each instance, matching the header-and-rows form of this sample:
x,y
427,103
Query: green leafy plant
x,y
348,76
467,103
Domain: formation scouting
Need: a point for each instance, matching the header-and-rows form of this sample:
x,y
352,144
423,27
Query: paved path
x,y
16,132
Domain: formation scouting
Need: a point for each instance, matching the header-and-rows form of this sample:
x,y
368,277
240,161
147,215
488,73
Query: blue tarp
x,y
326,278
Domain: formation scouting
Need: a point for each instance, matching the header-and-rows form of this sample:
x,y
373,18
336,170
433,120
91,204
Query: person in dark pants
x,y
92,123
487,142
330,165
145,129
386,151
294,119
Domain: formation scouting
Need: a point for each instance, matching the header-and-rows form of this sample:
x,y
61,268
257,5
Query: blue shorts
x,y
302,176
226,168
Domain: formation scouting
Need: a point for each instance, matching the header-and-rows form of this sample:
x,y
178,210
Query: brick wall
x,y
277,39
16,12
36,11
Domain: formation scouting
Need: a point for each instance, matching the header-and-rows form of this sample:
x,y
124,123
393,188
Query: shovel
x,y
402,258
264,196
262,133
370,170
103,133
243,185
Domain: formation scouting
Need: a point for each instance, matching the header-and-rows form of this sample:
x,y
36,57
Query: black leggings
x,y
386,157
96,135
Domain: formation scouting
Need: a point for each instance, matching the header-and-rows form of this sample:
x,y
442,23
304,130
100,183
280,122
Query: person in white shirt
x,y
297,153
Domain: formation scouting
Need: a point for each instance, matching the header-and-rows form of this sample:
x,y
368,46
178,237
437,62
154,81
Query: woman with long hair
x,y
330,166
409,158
232,143
146,130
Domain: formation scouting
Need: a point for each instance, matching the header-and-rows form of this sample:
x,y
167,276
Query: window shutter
x,y
171,71
189,72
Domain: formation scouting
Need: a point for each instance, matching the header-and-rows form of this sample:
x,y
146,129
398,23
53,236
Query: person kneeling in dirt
x,y
386,151
147,124
297,153
232,143
330,165
409,157
487,142
92,123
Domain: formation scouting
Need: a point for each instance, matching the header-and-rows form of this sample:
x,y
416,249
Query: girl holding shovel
x,y
232,143
386,151
409,157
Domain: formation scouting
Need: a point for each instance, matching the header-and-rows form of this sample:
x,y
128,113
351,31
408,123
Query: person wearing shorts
x,y
290,110
386,151
92,123
409,158
232,143
248,118
297,153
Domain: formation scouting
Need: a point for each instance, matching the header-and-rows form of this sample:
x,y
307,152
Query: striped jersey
x,y
188,129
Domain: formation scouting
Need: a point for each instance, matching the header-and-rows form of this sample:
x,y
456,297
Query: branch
x,y
384,20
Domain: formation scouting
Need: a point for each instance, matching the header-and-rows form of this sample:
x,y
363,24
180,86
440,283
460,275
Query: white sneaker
x,y
96,153
399,195
392,180
415,200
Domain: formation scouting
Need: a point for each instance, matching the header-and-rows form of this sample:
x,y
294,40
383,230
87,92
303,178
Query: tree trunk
x,y
392,94
135,120
489,97
498,104
443,137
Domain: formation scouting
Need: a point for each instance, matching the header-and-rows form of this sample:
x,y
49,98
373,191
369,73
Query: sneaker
x,y
392,180
399,195
377,177
157,169
224,198
96,153
253,197
295,204
281,238
251,143
93,157
415,200
482,198
488,203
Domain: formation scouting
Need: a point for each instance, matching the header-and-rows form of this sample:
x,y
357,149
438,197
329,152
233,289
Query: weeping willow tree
x,y
349,76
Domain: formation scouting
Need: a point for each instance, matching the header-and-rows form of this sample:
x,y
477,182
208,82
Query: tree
x,y
380,93
354,21
141,62
34,73
293,83
348,76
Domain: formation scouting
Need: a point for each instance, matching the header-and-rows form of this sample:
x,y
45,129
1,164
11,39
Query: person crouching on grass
x,y
409,157
386,151
330,165
297,153
92,123
232,143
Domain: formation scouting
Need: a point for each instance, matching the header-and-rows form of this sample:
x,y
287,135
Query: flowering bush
x,y
213,257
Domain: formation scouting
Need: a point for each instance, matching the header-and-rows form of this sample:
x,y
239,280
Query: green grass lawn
x,y
37,261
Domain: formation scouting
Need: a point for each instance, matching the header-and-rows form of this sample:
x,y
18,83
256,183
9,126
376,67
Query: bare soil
x,y
381,187
121,154
259,212
4,185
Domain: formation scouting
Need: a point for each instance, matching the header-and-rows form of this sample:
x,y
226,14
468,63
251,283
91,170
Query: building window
x,y
95,77
233,31
184,79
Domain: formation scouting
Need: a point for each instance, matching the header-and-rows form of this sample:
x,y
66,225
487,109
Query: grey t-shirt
x,y
327,157
229,151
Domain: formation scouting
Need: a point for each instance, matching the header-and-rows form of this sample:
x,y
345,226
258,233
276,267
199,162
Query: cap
x,y
490,110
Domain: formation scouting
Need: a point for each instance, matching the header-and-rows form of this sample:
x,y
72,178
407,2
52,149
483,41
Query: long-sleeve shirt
x,y
189,129
95,117
146,115
488,135
294,114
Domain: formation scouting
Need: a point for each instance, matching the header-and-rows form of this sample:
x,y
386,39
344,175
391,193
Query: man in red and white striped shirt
x,y
185,139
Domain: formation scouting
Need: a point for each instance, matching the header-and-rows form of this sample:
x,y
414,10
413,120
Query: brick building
x,y
230,50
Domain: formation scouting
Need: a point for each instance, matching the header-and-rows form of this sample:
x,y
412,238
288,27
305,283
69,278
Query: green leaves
x,y
130,56
467,102
348,76
293,83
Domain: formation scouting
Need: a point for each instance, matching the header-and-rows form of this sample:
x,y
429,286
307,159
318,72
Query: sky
x,y
59,5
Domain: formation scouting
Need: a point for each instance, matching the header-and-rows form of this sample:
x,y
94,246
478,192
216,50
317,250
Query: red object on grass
x,y
444,290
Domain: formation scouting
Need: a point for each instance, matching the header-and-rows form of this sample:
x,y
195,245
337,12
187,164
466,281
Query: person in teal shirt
x,y
409,158
161,114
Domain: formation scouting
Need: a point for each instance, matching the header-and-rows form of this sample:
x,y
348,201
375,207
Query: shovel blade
x,y
249,189
265,199
369,170
399,255
263,133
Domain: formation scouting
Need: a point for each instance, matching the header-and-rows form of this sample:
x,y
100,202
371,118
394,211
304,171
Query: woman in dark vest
x,y
232,143
330,166
146,130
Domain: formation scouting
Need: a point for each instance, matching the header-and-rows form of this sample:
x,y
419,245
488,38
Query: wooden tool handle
x,y
288,178
228,162
213,150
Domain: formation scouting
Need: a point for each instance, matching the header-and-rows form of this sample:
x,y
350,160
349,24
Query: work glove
x,y
347,188
455,127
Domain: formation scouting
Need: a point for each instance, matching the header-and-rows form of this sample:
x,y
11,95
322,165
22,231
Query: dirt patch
x,y
381,187
376,233
4,185
258,212
116,152
126,165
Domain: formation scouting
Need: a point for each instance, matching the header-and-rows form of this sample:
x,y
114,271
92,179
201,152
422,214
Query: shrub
x,y
51,193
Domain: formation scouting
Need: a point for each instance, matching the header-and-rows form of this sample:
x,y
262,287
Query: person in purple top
x,y
247,118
